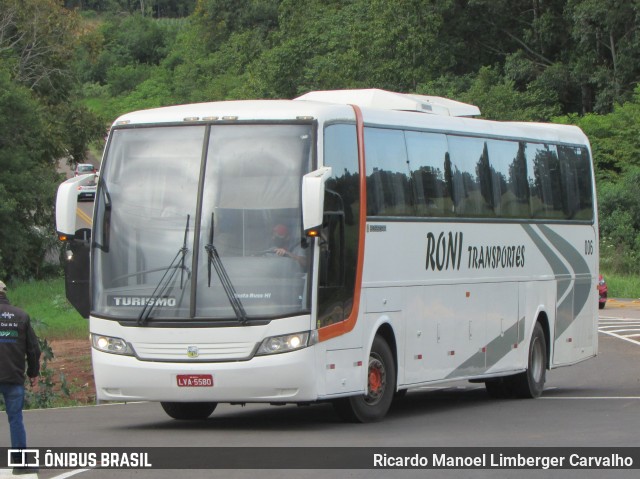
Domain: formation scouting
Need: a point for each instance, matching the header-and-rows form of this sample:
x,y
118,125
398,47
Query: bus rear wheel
x,y
381,385
189,410
530,383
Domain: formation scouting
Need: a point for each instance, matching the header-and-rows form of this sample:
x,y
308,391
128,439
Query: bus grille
x,y
194,352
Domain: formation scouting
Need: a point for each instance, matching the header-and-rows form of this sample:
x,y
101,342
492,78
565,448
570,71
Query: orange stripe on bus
x,y
343,327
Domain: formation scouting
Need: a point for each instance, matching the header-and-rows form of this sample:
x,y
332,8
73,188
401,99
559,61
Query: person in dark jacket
x,y
17,342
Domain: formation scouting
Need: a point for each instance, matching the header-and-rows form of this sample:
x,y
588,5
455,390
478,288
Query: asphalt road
x,y
592,404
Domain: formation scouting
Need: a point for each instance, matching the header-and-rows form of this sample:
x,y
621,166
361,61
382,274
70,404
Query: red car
x,y
602,289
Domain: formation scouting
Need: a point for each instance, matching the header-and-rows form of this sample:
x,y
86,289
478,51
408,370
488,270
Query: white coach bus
x,y
344,246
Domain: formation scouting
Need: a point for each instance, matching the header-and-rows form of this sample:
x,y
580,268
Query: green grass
x,y
52,315
622,286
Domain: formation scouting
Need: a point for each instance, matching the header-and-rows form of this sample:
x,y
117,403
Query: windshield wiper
x,y
167,277
227,285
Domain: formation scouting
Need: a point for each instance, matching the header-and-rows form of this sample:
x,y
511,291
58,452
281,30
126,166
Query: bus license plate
x,y
195,380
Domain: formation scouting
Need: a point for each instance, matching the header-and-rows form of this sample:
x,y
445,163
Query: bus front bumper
x,y
277,378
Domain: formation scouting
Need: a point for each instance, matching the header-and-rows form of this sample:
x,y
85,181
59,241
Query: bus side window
x,y
544,179
341,234
576,182
426,153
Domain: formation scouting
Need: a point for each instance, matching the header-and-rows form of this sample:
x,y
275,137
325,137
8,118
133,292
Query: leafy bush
x,y
126,78
48,390
620,223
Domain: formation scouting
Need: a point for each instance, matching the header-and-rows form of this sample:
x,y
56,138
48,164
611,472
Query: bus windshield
x,y
193,219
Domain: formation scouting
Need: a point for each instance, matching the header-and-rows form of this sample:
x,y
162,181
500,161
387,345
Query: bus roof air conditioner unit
x,y
387,100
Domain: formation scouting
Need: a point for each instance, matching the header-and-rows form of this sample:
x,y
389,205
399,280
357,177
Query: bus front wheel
x,y
381,385
189,410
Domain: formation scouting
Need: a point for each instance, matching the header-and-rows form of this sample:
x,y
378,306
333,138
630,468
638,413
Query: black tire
x,y
530,383
189,411
380,388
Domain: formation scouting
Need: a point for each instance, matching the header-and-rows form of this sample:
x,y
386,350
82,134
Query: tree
x,y
619,204
211,56
615,138
157,8
27,182
39,36
497,96
39,124
607,52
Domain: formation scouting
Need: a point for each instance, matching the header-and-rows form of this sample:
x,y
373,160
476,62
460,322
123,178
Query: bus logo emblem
x,y
192,352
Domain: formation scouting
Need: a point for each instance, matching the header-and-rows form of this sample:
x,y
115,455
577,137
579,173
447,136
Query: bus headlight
x,y
111,345
287,343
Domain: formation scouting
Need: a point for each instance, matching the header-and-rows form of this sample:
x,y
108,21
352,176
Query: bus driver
x,y
283,246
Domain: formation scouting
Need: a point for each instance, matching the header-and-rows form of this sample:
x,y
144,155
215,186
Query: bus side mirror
x,y
67,203
313,199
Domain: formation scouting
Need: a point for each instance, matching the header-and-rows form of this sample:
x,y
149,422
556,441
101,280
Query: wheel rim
x,y
537,361
377,382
